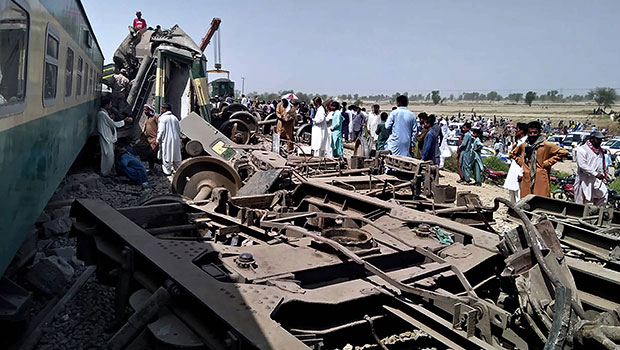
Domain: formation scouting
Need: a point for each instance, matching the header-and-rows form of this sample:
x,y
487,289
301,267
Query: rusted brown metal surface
x,y
308,268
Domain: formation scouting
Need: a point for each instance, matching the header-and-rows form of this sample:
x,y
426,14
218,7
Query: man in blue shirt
x,y
403,126
430,150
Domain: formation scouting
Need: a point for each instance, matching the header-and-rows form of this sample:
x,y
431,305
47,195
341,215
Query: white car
x,y
613,148
573,140
556,139
611,145
453,144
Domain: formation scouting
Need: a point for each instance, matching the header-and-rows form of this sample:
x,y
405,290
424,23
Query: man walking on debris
x,y
402,125
465,154
430,150
358,124
373,120
537,156
150,135
321,140
106,127
382,132
590,184
169,140
515,173
285,111
336,128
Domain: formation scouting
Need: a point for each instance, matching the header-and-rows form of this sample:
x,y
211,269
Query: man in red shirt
x,y
139,22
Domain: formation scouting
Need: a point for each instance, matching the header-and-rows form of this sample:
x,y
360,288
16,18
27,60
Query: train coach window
x,y
85,79
69,73
50,77
90,82
14,27
78,83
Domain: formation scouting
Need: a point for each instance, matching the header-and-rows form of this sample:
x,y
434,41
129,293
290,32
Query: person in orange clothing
x,y
537,156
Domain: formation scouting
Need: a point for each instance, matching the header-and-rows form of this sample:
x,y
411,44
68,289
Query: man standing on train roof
x,y
139,22
169,140
106,127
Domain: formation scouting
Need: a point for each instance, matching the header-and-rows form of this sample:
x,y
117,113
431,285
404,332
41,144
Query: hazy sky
x,y
372,47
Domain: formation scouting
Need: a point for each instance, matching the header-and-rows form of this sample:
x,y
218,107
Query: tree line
x,y
605,97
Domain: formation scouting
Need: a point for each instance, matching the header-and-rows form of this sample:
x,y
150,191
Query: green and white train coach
x,y
50,68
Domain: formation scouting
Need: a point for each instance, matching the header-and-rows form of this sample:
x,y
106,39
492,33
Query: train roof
x,y
90,27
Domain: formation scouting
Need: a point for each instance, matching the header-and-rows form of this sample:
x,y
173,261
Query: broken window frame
x,y
53,62
18,106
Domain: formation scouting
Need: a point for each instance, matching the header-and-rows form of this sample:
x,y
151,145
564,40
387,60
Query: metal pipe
x,y
531,236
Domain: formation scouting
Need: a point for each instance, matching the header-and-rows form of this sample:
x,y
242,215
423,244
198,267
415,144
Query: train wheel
x,y
197,177
237,131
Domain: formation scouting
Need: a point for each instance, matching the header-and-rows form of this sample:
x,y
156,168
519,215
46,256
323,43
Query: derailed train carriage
x,y
167,65
50,65
329,263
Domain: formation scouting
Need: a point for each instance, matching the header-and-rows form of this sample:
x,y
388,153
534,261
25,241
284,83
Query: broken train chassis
x,y
317,268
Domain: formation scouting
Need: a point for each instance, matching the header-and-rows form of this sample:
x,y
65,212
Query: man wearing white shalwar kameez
x,y
169,140
590,184
444,149
515,172
373,120
106,128
321,140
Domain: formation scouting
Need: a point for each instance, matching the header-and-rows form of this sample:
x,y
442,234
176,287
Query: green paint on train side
x,y
35,158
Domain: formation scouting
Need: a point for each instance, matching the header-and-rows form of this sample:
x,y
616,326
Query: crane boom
x,y
215,25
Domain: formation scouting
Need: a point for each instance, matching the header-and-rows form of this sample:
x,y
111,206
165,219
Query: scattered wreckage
x,y
262,251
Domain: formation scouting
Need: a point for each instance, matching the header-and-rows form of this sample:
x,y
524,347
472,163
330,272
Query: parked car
x,y
573,140
556,139
453,144
611,145
612,148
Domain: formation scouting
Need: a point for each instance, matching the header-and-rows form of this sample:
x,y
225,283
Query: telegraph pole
x,y
242,85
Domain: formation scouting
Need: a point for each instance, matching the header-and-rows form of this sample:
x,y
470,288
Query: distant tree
x,y
428,97
494,96
355,96
451,97
358,102
515,97
530,97
435,96
605,97
590,95
552,95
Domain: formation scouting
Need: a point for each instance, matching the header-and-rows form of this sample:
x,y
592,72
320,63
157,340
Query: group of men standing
x,y
161,140
533,157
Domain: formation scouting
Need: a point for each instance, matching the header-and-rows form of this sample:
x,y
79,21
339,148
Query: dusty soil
x,y
515,111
